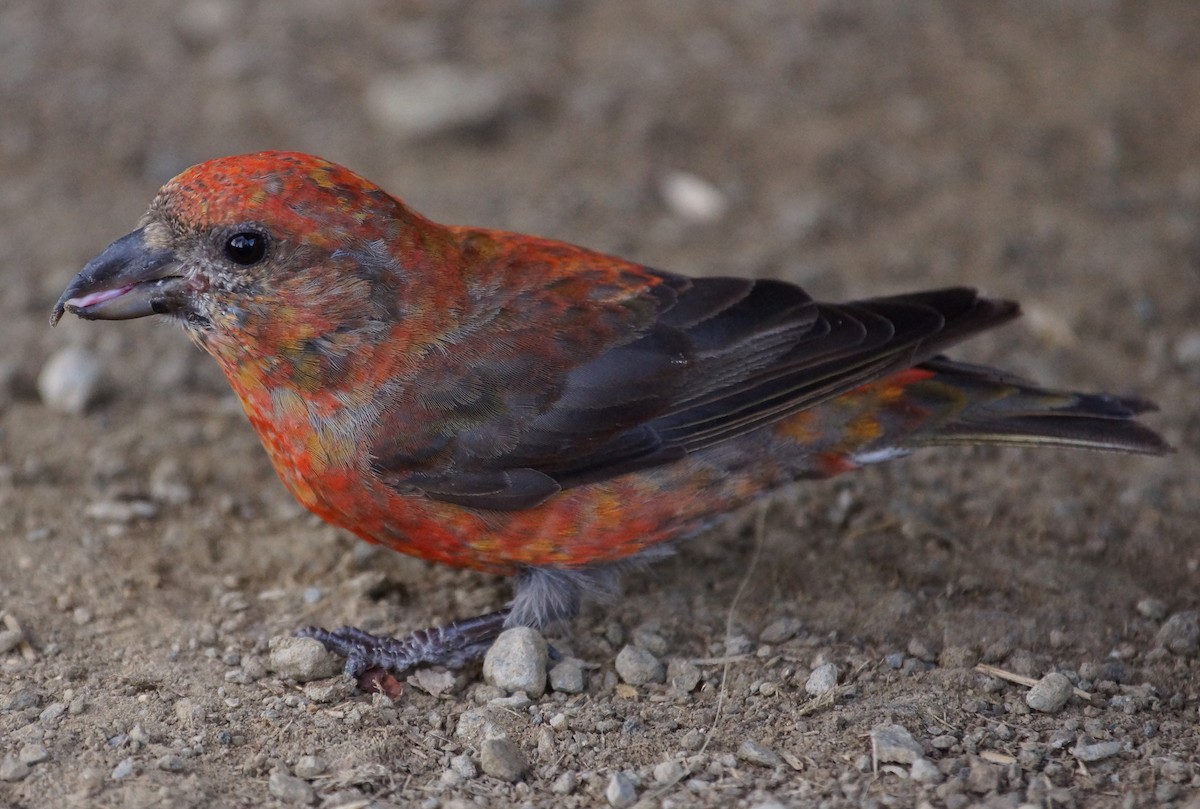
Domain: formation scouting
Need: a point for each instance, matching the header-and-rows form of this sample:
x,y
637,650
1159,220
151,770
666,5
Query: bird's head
x,y
244,247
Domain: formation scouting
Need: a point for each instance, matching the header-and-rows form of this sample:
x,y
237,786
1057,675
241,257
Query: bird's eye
x,y
246,247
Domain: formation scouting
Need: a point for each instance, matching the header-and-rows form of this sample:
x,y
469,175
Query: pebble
x,y
517,701
1095,752
668,772
943,742
620,792
123,770
13,769
738,645
1181,633
759,754
637,666
70,380
924,771
9,639
983,777
692,740
476,725
463,766
1152,608
822,680
502,759
683,676
170,763
122,511
290,789
565,784
517,661
436,98
780,630
330,691
692,198
893,743
33,754
567,677
301,659
52,712
1187,348
958,657
309,767
1050,693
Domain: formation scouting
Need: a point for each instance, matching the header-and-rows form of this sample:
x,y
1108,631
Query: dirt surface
x,y
1044,151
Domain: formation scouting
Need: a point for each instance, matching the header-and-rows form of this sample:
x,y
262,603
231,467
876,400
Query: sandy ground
x,y
1043,151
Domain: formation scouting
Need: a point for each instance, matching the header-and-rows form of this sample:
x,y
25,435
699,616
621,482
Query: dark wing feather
x,y
717,357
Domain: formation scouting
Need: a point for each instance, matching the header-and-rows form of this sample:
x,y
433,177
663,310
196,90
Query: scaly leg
x,y
452,646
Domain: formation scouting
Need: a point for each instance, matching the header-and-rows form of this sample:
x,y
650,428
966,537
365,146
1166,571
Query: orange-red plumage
x,y
507,403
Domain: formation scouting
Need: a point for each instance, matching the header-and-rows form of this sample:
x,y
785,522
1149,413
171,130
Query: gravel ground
x,y
960,628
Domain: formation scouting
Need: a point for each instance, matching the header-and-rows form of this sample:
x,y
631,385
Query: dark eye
x,y
246,247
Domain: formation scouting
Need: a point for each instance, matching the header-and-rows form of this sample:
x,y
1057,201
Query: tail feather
x,y
976,405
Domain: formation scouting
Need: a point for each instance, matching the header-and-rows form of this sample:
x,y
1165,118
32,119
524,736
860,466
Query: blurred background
x,y
1044,150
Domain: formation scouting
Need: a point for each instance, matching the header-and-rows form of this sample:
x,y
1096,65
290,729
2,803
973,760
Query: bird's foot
x,y
452,646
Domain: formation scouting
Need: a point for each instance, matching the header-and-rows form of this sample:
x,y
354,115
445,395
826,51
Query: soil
x,y
1046,152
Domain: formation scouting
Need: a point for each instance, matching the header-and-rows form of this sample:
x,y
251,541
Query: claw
x,y
452,646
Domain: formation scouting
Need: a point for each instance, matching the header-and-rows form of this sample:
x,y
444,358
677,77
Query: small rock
x,y
638,667
517,701
779,630
123,770
620,792
1152,608
738,645
9,640
565,784
290,789
301,659
33,754
70,380
822,680
893,743
692,740
683,676
649,638
1050,693
1095,752
567,677
309,767
924,771
170,763
692,198
330,691
13,769
1181,633
502,759
1187,348
943,742
958,657
759,754
476,725
668,772
433,99
121,511
463,766
517,661
52,712
983,777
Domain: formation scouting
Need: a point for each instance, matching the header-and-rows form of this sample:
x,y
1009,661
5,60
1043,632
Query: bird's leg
x,y
452,646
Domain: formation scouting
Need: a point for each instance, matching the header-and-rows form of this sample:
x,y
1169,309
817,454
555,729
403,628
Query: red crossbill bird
x,y
518,405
